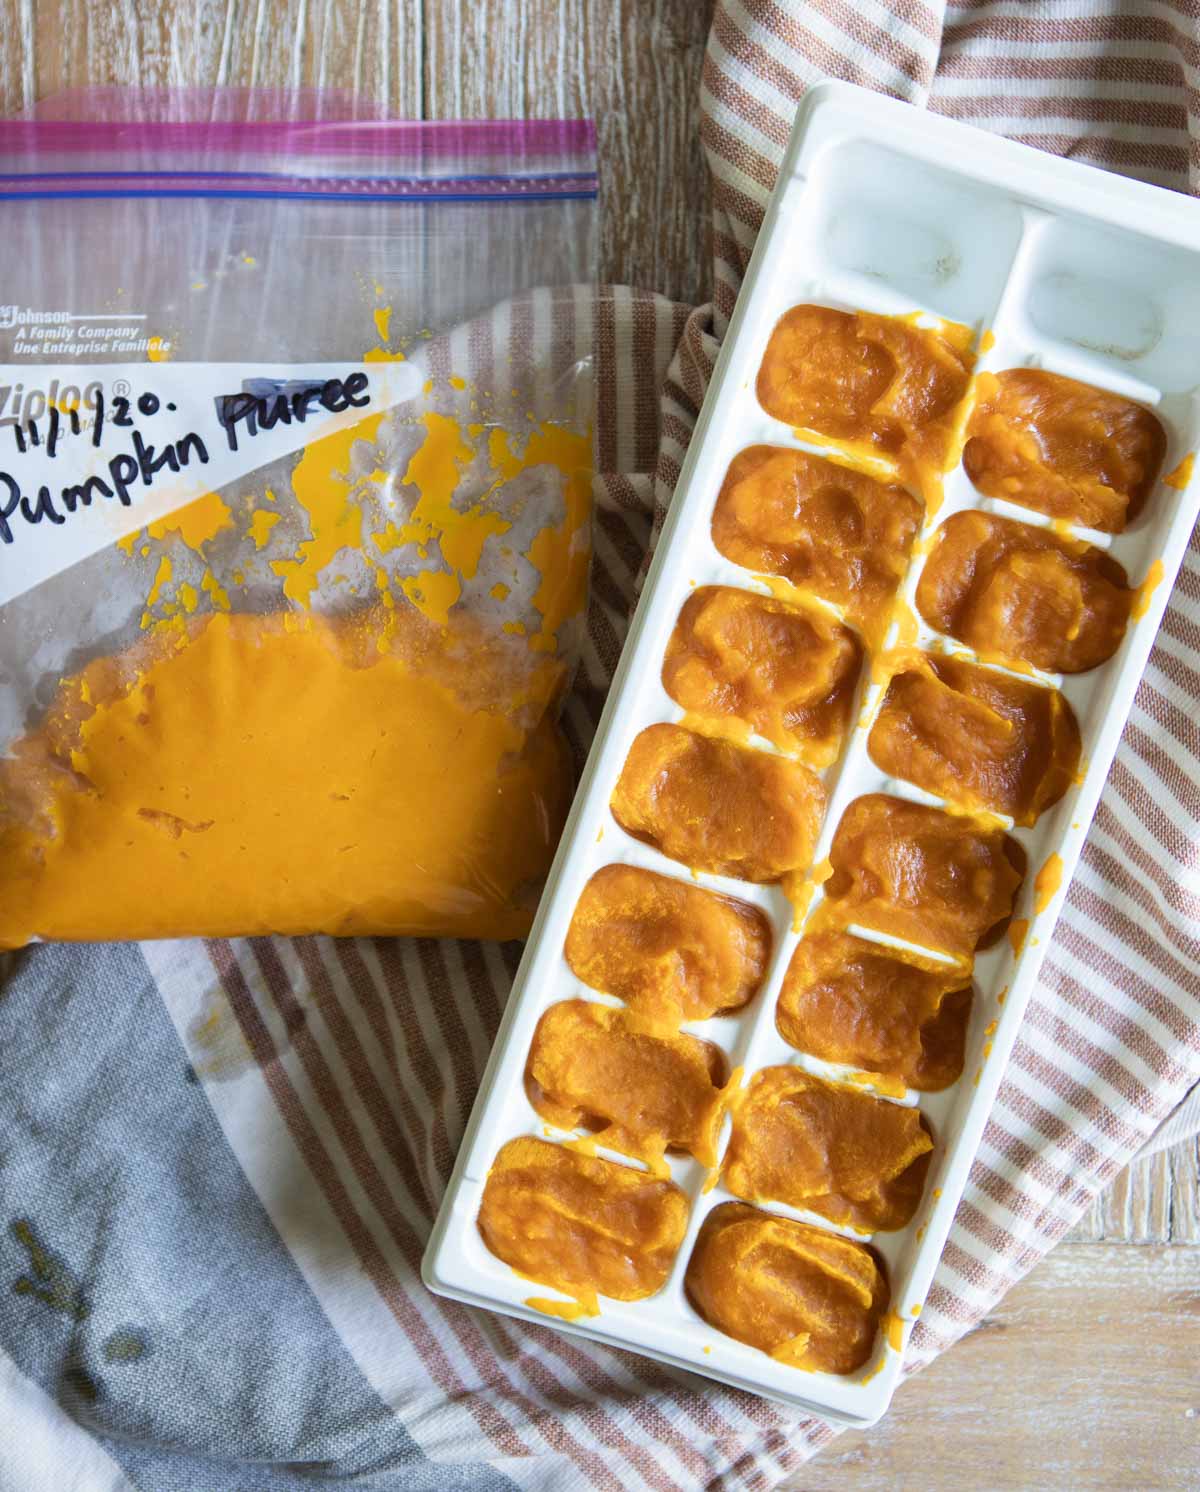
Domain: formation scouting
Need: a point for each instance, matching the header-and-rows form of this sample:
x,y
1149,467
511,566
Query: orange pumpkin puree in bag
x,y
394,768
249,776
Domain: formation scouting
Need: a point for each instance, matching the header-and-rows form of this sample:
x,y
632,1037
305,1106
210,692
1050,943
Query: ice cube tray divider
x,y
1026,198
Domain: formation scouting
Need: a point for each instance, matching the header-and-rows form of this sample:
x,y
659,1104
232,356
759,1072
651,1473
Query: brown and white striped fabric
x,y
342,1073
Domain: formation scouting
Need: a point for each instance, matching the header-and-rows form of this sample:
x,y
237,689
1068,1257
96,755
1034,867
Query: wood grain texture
x,y
1156,1200
1084,1377
18,65
634,65
372,49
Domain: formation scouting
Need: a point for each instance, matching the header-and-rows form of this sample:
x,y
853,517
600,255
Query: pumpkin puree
x,y
395,768
809,1298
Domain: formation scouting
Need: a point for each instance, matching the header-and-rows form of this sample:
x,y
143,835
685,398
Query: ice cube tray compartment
x,y
1119,299
1024,249
914,233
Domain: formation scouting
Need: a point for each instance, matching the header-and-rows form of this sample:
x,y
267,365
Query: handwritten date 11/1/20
x,y
28,436
251,411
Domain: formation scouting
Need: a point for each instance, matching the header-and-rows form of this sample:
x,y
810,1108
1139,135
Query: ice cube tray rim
x,y
1038,184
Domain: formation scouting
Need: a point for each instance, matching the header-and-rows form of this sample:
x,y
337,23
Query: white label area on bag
x,y
91,454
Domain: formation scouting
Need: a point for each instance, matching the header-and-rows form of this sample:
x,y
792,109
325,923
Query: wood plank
x,y
17,55
373,49
632,64
78,44
1084,1377
1156,1200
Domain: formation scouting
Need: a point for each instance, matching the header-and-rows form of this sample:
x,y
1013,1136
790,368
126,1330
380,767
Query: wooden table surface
x,y
1088,1374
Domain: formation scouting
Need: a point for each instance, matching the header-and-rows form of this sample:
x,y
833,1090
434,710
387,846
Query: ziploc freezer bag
x,y
294,523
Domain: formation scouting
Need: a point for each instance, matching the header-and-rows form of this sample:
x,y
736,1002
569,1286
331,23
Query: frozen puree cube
x,y
1063,448
934,879
805,1296
840,534
1014,591
579,1223
977,737
787,672
646,1087
719,807
865,1005
880,382
672,950
860,1161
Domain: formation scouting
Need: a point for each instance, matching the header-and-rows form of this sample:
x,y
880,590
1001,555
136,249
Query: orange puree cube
x,y
579,1223
938,880
672,950
1008,589
1063,448
842,535
787,672
857,1160
849,1001
646,1087
805,1296
876,381
977,737
719,807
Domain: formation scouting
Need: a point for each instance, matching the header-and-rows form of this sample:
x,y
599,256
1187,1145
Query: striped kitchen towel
x,y
219,1162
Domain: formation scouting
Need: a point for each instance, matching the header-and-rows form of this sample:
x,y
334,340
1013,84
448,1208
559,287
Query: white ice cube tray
x,y
879,207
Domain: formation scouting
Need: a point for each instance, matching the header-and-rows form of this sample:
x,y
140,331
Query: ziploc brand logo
x,y
21,403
